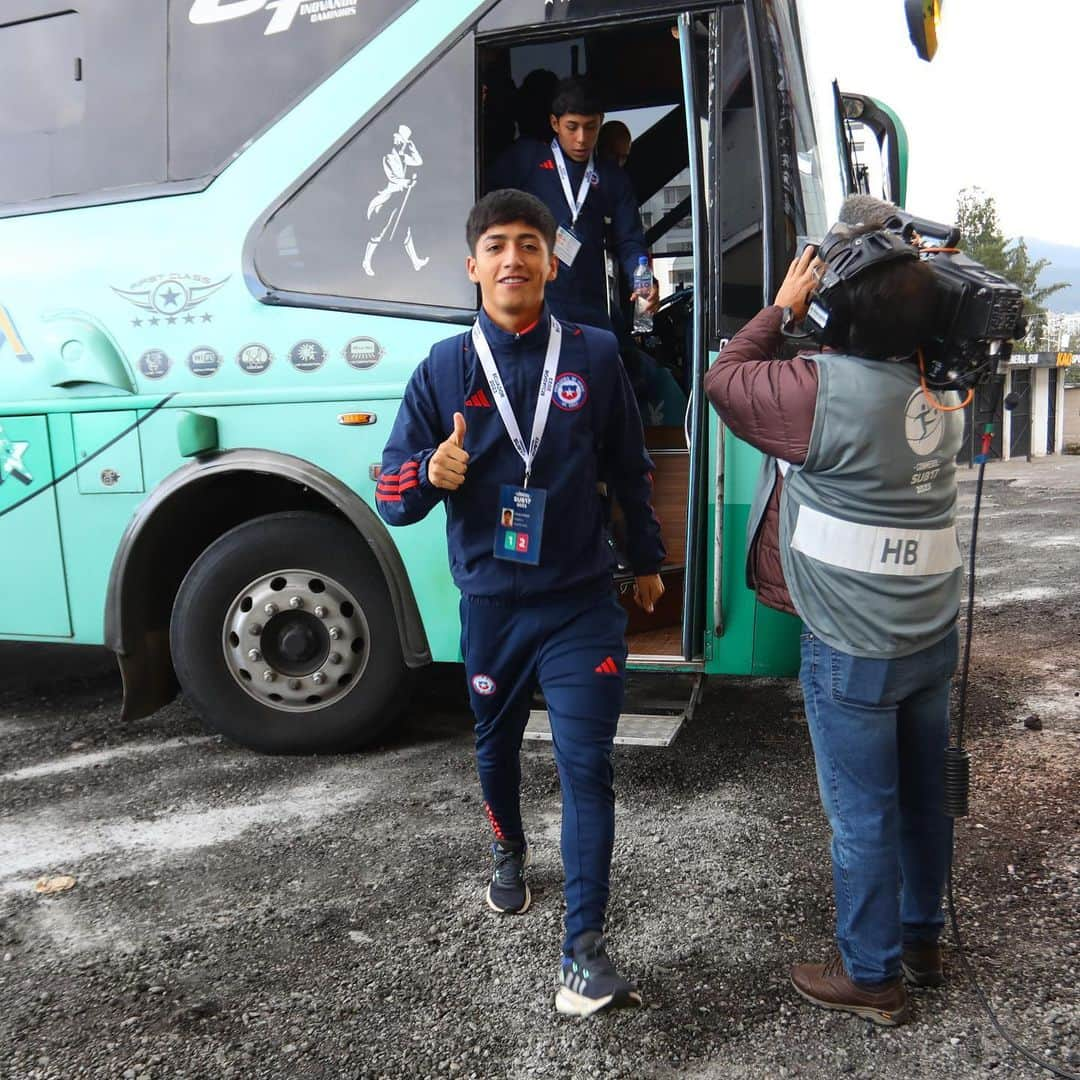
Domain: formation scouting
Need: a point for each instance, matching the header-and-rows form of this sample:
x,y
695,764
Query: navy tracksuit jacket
x,y
557,625
579,292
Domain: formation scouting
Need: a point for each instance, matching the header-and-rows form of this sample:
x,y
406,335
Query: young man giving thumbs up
x,y
511,424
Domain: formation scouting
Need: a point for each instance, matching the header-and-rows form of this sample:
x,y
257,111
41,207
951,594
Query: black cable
x,y
1042,1063
962,709
956,797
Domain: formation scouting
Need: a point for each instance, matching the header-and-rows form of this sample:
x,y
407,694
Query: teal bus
x,y
229,231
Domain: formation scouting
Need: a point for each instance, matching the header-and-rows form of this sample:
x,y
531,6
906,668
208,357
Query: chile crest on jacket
x,y
570,391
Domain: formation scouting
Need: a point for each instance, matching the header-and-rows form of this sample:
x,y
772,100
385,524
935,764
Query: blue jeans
x,y
879,729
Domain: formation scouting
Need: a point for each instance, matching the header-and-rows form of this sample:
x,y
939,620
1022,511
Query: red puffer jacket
x,y
769,403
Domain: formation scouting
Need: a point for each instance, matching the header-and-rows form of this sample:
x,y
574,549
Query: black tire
x,y
358,707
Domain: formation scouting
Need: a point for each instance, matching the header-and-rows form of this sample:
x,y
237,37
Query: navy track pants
x,y
574,648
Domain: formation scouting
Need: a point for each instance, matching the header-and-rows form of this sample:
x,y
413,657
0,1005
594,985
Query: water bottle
x,y
643,283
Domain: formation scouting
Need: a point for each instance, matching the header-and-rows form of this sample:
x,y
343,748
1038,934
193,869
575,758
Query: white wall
x,y
1040,410
1070,416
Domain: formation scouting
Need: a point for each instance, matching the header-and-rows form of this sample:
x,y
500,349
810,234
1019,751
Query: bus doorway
x,y
652,98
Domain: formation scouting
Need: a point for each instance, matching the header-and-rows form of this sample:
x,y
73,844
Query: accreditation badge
x,y
521,524
567,245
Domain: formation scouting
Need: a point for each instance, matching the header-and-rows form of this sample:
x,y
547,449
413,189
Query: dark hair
x,y
576,96
894,309
503,206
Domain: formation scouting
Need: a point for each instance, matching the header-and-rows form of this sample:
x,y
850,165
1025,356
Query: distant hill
x,y
1064,266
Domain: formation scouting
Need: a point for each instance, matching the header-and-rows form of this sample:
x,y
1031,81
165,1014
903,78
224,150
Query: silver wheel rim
x,y
296,640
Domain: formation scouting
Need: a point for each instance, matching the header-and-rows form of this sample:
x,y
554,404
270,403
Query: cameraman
x,y
852,529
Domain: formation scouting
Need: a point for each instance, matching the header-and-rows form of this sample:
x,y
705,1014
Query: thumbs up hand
x,y
447,466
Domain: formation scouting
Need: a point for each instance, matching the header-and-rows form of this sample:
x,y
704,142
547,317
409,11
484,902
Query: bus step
x,y
637,728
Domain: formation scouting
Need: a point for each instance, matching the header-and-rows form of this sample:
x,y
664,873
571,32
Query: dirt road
x,y
241,916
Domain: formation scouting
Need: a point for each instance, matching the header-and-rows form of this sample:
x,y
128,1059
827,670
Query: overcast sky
x,y
995,109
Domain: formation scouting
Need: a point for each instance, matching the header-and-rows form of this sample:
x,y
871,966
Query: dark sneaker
x,y
507,893
828,985
922,965
589,983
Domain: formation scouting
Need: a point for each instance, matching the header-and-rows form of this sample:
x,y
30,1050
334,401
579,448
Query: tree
x,y
1072,373
980,235
982,239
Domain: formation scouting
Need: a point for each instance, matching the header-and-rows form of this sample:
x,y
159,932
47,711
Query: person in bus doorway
x,y
583,192
614,143
852,529
508,426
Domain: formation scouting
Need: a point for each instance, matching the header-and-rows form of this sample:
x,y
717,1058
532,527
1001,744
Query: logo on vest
x,y
900,552
924,425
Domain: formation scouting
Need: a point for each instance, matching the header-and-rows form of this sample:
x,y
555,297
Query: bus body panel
x,y
98,279
33,598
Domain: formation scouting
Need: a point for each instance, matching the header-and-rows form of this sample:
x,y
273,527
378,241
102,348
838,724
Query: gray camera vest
x,y
867,523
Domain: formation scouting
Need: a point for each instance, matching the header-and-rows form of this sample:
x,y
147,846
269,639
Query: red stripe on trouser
x,y
496,827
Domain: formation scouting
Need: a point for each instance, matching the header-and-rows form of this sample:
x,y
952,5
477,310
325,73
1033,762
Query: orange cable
x,y
934,403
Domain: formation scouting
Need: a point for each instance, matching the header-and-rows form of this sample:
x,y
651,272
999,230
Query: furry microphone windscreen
x,y
865,210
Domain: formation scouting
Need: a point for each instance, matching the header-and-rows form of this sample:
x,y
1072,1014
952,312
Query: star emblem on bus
x,y
169,296
11,460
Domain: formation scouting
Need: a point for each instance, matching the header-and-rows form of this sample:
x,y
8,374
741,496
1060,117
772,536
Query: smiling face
x,y
577,134
512,263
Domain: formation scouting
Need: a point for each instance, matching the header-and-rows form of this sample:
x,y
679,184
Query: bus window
x,y
383,218
737,242
800,161
233,68
82,101
41,57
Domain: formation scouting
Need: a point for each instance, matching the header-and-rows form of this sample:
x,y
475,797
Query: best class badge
x,y
204,361
363,352
154,363
307,356
254,358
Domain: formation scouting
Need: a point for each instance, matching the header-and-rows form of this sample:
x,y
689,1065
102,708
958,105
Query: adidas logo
x,y
608,667
549,164
479,400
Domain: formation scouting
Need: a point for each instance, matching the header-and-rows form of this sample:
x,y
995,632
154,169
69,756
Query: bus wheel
x,y
284,638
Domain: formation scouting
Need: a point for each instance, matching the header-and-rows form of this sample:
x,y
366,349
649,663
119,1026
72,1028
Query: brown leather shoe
x,y
922,965
828,985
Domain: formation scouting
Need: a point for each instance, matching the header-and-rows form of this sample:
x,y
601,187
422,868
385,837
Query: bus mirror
x,y
875,144
923,17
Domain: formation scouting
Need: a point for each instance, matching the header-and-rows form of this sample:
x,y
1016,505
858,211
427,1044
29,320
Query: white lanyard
x,y
564,176
543,398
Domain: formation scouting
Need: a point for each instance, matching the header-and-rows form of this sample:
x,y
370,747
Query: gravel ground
x,y
241,916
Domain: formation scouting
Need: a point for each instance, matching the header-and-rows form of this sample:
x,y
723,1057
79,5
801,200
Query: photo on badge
x,y
520,524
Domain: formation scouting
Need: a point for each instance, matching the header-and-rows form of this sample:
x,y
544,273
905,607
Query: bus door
x,y
651,65
651,70
765,183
